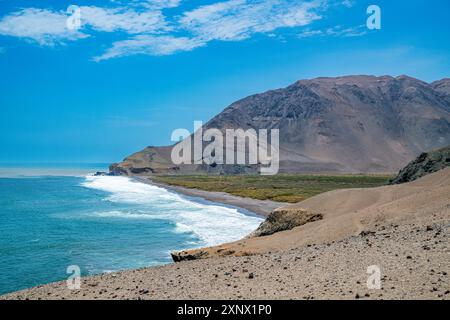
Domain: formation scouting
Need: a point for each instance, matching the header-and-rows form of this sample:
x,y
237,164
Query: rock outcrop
x,y
283,219
424,164
185,255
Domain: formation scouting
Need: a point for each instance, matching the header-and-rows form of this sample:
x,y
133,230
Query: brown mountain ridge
x,y
343,124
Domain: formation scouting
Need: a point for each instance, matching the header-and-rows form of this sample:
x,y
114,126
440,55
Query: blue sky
x,y
136,70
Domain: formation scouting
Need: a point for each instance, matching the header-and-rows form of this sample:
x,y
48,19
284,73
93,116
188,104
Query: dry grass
x,y
283,188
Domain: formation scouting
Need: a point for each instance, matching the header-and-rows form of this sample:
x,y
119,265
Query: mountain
x,y
443,87
424,164
343,124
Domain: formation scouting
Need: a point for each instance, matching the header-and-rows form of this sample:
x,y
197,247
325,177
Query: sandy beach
x,y
259,207
414,264
403,230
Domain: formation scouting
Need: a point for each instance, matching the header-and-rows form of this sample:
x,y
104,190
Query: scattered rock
x,y
188,255
366,233
283,219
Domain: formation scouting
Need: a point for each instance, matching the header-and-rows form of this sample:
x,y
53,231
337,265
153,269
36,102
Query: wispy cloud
x,y
43,26
150,45
348,3
48,27
123,19
338,31
239,19
158,4
147,29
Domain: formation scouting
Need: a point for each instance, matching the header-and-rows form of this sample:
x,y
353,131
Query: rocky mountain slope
x,y
344,124
424,164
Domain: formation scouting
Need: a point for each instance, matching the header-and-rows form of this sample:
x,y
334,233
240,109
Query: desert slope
x,y
349,212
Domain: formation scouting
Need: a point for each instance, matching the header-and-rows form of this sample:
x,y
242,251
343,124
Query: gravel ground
x,y
414,260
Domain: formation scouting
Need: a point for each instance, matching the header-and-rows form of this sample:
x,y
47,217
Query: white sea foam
x,y
213,224
126,214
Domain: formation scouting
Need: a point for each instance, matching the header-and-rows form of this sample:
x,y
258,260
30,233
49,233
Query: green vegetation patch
x,y
289,188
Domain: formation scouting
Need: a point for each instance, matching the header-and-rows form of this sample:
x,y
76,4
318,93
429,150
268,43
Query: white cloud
x,y
340,31
152,4
348,3
159,3
147,29
43,26
49,27
123,19
337,31
310,33
239,19
150,45
229,20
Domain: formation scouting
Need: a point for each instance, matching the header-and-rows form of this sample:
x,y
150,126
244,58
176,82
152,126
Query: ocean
x,y
53,219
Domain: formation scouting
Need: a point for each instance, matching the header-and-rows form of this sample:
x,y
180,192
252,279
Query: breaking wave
x,y
212,224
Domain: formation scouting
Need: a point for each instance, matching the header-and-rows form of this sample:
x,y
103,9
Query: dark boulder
x,y
424,164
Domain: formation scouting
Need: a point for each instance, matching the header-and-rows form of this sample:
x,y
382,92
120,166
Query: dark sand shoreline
x,y
259,207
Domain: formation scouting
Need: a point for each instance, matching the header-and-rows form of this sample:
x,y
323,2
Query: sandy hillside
x,y
413,261
351,211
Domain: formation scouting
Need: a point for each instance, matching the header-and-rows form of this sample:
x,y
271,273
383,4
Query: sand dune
x,y
349,212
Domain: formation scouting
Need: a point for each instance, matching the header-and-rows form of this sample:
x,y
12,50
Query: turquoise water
x,y
101,224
